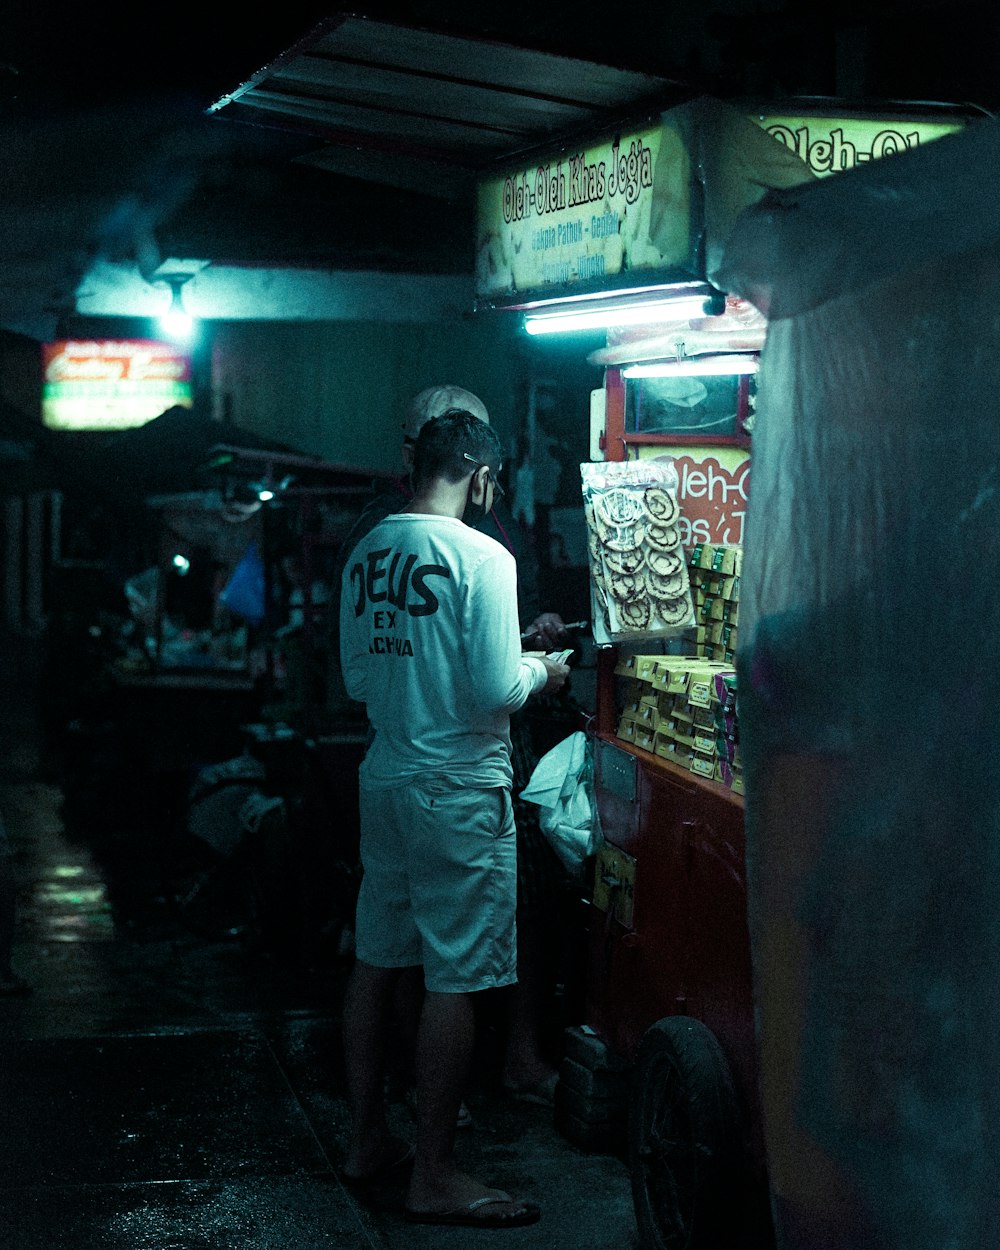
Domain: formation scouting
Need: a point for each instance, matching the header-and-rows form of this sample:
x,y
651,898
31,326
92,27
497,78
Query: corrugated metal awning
x,y
427,110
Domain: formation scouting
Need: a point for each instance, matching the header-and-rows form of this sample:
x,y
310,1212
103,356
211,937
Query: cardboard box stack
x,y
715,588
683,708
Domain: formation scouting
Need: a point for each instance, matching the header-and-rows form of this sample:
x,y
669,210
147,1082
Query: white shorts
x,y
440,883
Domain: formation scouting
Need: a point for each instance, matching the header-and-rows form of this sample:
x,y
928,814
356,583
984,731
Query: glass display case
x,y
702,406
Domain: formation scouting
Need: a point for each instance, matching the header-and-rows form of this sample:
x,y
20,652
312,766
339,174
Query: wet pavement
x,y
168,1090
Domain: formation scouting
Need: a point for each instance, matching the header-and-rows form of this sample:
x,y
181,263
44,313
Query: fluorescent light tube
x,y
565,322
693,367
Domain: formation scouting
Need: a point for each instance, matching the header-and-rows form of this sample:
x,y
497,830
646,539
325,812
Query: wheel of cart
x,y
685,1140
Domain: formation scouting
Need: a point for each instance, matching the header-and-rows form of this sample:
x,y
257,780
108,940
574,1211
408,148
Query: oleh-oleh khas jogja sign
x,y
576,219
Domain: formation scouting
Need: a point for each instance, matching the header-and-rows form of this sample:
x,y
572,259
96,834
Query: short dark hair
x,y
444,442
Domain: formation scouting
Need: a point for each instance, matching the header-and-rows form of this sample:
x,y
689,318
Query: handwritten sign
x,y
713,489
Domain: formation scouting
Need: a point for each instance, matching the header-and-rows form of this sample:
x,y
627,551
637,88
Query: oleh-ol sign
x,y
830,145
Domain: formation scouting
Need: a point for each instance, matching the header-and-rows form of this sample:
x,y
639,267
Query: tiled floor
x,y
160,1090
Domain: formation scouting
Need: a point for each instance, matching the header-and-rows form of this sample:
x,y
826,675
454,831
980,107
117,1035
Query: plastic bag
x,y
244,592
141,592
562,785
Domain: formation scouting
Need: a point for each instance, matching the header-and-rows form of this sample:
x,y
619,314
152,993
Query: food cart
x,y
625,229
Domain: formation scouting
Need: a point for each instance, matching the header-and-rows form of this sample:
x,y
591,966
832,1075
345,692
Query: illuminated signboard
x,y
831,145
111,384
644,204
578,217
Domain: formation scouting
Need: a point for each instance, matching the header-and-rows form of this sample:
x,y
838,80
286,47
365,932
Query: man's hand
x,y
557,675
545,632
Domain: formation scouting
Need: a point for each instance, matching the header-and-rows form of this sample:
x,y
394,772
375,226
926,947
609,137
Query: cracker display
x,y
636,613
661,505
672,587
625,586
621,537
624,561
675,611
662,537
640,584
664,563
619,506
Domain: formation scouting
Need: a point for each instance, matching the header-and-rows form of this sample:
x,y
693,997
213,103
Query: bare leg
x,y
408,1004
444,1052
525,1064
368,1008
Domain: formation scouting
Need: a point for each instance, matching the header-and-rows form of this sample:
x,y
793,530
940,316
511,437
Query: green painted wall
x,y
337,389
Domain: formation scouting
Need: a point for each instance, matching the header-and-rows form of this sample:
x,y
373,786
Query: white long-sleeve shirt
x,y
430,642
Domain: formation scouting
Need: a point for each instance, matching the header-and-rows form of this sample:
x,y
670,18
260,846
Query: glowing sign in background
x,y
111,384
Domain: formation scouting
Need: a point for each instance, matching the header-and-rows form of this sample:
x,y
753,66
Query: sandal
x,y
477,1214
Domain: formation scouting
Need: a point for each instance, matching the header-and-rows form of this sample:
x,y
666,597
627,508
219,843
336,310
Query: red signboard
x,y
111,384
713,488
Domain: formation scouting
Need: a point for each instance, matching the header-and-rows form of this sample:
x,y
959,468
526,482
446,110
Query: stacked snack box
x,y
683,708
715,571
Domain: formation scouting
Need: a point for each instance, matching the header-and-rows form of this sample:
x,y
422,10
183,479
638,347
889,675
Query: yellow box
x,y
702,765
625,667
682,711
636,666
705,743
644,667
727,563
703,717
667,748
647,714
630,691
707,580
701,687
702,556
665,705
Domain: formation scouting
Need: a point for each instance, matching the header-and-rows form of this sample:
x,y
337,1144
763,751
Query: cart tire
x,y
684,1139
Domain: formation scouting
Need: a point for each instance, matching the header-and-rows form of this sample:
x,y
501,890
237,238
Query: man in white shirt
x,y
430,642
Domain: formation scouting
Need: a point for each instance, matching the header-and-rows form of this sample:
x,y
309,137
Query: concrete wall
x,y
336,389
